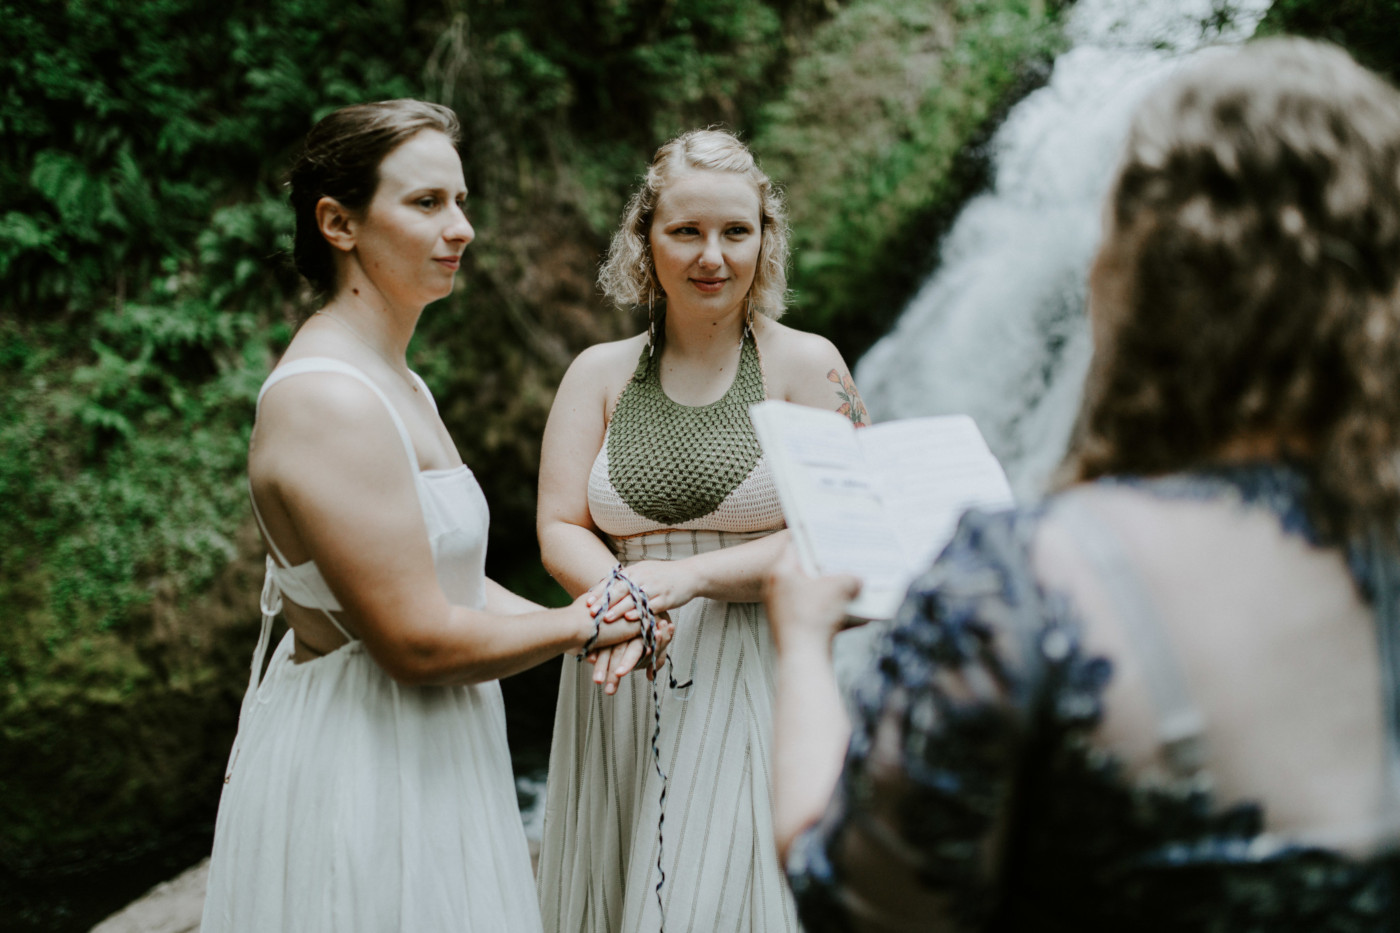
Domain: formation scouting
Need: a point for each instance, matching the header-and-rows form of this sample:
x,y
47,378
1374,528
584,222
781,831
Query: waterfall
x,y
998,331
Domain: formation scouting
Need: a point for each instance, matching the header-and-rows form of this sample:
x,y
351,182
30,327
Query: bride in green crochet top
x,y
650,460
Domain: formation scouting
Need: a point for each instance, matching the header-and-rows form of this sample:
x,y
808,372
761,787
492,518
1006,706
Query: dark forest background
x,y
146,291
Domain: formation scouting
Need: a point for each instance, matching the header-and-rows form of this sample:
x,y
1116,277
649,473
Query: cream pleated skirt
x,y
598,859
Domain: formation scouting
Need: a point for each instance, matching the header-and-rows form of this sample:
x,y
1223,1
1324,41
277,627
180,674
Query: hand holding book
x,y
879,502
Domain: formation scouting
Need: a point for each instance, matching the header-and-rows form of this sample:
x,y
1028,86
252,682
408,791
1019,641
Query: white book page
x,y
832,502
932,470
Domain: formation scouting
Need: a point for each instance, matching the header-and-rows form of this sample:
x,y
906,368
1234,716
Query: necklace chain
x,y
375,350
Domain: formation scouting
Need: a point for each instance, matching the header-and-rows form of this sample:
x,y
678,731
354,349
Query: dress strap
x,y
267,536
272,591
326,364
270,602
1180,724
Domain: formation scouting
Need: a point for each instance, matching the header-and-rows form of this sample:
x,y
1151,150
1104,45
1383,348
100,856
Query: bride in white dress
x,y
369,788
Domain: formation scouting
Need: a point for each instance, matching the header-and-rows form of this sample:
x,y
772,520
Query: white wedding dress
x,y
353,803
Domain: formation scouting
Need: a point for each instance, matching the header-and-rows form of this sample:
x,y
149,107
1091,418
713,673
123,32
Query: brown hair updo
x,y
1249,283
628,275
341,160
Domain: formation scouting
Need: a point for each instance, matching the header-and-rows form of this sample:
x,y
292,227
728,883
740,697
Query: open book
x,y
879,502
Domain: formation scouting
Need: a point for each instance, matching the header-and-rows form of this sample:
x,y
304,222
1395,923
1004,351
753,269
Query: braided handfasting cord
x,y
648,620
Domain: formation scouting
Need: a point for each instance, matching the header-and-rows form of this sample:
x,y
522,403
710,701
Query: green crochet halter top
x,y
674,463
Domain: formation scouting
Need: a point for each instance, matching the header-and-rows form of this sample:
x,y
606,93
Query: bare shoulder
x,y
609,357
319,396
793,359
321,417
808,369
788,352
315,396
601,371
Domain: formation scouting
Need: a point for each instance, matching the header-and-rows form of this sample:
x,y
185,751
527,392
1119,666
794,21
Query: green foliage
x,y
867,136
141,237
127,123
621,63
105,527
108,533
1369,29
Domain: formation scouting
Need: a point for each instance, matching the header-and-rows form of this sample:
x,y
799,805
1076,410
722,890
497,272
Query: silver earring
x,y
651,319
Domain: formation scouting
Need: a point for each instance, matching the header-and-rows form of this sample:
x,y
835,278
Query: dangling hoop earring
x,y
651,318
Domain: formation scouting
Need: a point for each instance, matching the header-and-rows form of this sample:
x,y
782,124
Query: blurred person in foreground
x,y
1167,697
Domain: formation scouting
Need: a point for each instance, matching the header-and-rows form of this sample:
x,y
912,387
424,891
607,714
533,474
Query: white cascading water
x,y
998,331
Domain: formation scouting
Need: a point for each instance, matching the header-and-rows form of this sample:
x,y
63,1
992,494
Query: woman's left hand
x,y
617,662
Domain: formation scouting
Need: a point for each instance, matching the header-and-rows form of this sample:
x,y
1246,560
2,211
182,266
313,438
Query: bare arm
x,y
502,601
733,574
906,828
327,461
570,545
809,370
810,728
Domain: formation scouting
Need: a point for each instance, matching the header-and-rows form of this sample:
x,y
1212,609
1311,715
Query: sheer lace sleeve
x,y
912,838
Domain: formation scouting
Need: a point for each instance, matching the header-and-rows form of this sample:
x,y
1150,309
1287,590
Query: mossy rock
x,y
123,744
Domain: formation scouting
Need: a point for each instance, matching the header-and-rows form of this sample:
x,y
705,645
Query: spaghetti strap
x,y
1180,724
270,602
326,364
262,526
272,590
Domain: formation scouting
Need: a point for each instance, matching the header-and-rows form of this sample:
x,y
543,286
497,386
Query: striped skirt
x,y
598,857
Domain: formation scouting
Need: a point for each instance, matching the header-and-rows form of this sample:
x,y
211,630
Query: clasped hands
x,y
663,588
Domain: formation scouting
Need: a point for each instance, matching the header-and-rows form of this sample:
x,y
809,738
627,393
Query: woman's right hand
x,y
668,584
610,633
804,609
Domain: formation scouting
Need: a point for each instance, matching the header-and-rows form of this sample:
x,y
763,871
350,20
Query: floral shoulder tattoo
x,y
851,405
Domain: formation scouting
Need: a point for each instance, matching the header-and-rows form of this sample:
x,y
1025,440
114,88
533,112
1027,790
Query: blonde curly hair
x,y
1250,284
628,276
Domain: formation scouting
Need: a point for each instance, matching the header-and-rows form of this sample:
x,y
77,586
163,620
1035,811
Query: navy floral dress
x,y
967,744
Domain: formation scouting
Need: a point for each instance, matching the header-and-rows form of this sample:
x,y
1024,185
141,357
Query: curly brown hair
x,y
1247,286
627,275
